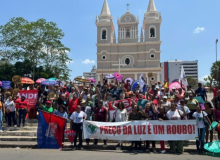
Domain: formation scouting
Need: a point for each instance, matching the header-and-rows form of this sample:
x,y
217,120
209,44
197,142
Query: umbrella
x,y
177,85
109,76
213,147
118,76
0,83
135,85
92,80
49,82
71,135
26,80
40,80
129,79
52,78
82,79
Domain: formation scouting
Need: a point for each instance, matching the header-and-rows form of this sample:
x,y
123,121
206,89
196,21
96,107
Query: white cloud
x,y
201,80
198,30
88,61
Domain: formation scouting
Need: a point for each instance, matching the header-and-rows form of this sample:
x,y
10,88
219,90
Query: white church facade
x,y
135,51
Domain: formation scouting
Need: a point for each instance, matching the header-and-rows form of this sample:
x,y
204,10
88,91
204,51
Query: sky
x,y
188,31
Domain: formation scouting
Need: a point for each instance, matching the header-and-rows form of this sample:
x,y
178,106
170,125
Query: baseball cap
x,y
83,101
174,88
48,102
162,88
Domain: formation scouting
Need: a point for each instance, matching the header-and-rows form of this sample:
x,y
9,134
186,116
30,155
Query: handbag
x,y
205,121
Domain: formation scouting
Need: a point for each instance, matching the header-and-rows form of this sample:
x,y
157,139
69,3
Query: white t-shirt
x,y
10,105
121,116
200,119
174,115
185,108
78,117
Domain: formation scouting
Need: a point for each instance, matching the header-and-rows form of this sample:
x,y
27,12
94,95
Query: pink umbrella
x,y
206,88
118,76
40,80
92,80
176,85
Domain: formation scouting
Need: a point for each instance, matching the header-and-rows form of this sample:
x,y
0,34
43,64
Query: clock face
x,y
127,18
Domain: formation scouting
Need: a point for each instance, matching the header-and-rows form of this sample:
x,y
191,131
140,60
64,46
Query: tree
x,y
215,71
192,82
39,42
209,81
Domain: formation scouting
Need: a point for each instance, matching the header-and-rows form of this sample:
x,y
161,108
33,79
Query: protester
x,y
61,112
209,110
134,116
165,104
216,100
182,106
191,104
201,92
22,110
2,112
201,119
141,102
76,122
215,90
162,116
120,116
175,114
10,110
47,107
73,103
101,115
149,113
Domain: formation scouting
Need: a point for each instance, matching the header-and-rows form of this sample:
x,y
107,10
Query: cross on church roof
x,y
127,6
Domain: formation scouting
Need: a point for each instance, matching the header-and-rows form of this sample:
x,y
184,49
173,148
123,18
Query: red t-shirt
x,y
73,104
100,114
214,92
21,104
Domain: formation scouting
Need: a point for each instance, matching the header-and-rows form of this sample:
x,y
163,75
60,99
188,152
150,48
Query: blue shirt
x,y
58,113
201,92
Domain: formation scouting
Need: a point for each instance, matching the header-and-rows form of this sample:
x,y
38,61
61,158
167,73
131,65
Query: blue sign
x,y
6,84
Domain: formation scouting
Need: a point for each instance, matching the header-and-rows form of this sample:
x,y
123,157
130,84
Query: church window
x,y
104,57
152,55
152,32
127,61
127,32
104,34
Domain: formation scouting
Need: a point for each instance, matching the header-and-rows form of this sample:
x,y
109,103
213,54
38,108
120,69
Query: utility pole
x,y
217,68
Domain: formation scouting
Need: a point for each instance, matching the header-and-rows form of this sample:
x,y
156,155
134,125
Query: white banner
x,y
141,130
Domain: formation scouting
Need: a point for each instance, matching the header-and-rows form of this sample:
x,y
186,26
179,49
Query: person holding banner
x,y
202,121
134,116
76,124
22,110
120,116
175,114
101,115
150,113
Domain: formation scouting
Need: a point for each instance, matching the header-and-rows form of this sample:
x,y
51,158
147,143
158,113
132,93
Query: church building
x,y
135,50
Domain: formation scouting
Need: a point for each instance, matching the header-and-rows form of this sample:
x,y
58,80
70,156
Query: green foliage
x,y
209,81
215,71
39,42
192,82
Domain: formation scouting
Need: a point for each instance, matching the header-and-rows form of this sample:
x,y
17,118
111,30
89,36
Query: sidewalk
x,y
111,146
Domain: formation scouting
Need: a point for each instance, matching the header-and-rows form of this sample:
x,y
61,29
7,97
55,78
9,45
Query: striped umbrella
x,y
82,79
26,80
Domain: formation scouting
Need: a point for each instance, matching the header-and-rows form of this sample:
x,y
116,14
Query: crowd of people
x,y
82,102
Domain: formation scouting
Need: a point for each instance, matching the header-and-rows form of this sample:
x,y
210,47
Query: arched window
x,y
104,34
127,61
152,32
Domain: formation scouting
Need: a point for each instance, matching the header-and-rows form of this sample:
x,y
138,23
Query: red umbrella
x,y
26,80
40,80
176,85
118,76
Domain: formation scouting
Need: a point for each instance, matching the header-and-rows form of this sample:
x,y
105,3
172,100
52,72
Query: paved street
x,y
36,154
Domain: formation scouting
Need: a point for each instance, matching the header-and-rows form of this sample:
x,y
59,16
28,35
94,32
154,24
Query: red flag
x,y
71,135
